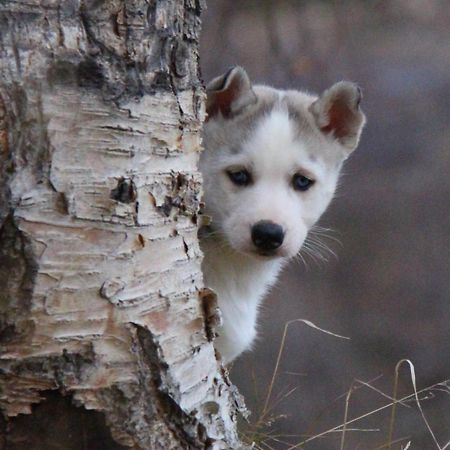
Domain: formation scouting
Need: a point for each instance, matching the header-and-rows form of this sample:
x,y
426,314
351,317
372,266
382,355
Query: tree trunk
x,y
103,337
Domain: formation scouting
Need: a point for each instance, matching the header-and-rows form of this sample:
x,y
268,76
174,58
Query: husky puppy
x,y
270,167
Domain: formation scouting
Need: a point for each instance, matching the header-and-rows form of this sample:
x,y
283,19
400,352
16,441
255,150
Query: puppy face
x,y
272,159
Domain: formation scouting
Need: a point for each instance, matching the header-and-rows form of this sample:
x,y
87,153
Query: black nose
x,y
267,235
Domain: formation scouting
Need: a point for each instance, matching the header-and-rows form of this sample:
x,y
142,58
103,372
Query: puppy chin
x,y
261,255
266,255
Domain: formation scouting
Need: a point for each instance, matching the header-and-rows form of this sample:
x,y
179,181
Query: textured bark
x,y
104,342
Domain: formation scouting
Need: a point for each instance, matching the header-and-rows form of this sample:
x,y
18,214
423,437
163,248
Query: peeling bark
x,y
104,343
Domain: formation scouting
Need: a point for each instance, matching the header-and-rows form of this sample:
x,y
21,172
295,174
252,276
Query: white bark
x,y
100,118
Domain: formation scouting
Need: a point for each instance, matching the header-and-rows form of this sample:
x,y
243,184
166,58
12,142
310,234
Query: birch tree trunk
x,y
103,338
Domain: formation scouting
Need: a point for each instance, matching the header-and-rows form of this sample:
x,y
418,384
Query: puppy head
x,y
272,159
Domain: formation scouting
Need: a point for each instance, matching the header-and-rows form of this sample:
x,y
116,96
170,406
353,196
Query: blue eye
x,y
301,183
240,177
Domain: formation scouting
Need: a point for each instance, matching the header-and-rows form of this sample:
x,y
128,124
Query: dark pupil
x,y
301,183
240,177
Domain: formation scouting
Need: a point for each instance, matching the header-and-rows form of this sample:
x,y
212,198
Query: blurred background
x,y
389,287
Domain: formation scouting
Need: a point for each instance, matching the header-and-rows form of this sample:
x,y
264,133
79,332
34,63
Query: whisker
x,y
316,245
299,259
320,246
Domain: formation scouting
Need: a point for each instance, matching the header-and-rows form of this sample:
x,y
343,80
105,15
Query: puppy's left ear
x,y
229,94
337,113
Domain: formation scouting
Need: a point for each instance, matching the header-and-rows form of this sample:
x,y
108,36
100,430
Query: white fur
x,y
273,147
240,282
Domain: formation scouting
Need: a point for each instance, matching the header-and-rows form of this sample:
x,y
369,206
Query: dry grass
x,y
260,434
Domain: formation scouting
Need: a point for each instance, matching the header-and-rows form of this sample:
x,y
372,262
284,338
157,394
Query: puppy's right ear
x,y
229,94
337,113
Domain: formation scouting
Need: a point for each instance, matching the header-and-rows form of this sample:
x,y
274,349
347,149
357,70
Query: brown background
x,y
389,288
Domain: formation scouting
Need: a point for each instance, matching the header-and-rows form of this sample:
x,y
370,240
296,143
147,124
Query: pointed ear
x,y
337,112
229,93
